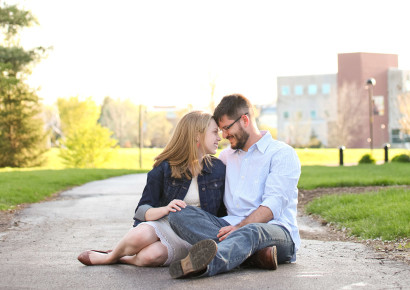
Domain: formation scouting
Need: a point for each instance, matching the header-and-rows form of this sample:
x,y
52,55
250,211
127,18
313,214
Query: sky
x,y
167,53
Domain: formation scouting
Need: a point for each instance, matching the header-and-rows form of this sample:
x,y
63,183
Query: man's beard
x,y
241,138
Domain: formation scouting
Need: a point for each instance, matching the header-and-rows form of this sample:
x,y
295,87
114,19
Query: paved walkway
x,y
40,251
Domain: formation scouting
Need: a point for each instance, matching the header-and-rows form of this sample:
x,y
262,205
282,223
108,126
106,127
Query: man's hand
x,y
225,232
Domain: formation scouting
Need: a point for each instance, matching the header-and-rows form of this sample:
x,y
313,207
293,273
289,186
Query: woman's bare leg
x,y
153,255
132,243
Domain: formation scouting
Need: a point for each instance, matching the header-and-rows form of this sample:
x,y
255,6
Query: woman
x,y
183,174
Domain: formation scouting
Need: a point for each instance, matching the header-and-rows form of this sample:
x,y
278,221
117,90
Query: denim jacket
x,y
161,189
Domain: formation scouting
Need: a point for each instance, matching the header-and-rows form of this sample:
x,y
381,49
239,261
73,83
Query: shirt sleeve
x,y
281,183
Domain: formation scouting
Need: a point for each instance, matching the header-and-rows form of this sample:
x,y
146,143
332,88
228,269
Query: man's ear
x,y
246,120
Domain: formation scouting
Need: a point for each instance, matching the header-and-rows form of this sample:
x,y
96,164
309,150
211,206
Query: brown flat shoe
x,y
264,259
84,257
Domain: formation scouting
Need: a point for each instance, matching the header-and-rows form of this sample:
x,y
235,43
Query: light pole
x,y
370,84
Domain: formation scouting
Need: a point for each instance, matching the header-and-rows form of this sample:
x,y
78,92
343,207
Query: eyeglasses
x,y
226,128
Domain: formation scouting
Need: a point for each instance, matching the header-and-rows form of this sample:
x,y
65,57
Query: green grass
x,y
122,158
19,186
129,157
361,175
330,156
384,214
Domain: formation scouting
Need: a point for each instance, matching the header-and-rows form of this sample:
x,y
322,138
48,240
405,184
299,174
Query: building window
x,y
286,115
326,89
399,137
285,91
313,114
312,89
407,86
298,90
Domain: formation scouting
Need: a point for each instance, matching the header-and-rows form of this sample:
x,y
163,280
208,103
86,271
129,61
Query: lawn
x,y
122,158
384,214
360,175
129,157
19,186
28,186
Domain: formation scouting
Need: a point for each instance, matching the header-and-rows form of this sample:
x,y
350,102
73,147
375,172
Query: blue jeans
x,y
193,225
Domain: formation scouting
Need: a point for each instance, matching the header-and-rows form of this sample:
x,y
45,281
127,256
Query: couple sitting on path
x,y
201,220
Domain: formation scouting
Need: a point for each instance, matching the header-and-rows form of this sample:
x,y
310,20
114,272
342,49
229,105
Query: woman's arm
x,y
156,213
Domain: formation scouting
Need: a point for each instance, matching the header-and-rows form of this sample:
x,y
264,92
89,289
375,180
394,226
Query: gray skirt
x,y
177,247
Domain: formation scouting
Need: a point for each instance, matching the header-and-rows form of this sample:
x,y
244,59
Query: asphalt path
x,y
40,251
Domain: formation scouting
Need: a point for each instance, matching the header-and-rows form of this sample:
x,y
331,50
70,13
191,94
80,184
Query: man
x,y
260,196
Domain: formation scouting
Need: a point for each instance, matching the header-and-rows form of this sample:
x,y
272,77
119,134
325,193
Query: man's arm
x,y
262,214
282,179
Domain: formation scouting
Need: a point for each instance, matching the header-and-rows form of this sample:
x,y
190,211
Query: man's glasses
x,y
226,128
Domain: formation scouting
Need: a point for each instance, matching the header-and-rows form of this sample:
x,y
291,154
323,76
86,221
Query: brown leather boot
x,y
264,259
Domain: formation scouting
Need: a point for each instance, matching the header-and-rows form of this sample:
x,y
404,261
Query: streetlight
x,y
370,84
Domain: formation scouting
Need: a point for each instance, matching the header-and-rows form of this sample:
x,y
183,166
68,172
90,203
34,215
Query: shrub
x,y
367,159
401,158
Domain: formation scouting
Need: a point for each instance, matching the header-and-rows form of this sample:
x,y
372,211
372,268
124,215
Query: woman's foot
x,y
94,257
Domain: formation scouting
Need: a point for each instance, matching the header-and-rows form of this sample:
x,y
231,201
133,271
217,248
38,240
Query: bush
x,y
401,158
367,159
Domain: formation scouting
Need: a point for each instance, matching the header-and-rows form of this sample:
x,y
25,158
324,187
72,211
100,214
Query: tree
x,y
121,117
159,131
22,138
404,106
345,128
86,143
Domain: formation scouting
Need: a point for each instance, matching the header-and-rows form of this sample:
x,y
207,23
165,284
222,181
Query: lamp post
x,y
370,84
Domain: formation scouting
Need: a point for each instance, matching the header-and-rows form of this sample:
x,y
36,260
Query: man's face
x,y
233,131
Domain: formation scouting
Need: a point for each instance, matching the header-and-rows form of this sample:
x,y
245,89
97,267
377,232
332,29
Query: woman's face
x,y
211,138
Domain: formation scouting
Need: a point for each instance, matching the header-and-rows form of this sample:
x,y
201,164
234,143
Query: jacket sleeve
x,y
152,193
221,212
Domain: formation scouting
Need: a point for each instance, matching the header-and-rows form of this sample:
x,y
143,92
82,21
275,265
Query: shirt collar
x,y
261,145
263,142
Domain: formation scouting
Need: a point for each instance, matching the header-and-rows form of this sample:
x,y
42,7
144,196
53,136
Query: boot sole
x,y
199,256
275,258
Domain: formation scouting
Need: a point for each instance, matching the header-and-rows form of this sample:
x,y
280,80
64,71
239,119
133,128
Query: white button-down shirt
x,y
267,174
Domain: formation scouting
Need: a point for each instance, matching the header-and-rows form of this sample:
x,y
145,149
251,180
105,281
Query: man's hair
x,y
233,106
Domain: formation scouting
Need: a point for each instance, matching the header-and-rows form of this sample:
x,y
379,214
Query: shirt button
x,y
242,177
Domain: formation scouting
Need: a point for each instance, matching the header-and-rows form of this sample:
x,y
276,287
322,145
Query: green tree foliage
x,y
159,129
86,143
22,138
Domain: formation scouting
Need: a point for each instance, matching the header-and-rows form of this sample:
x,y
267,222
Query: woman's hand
x,y
156,213
175,205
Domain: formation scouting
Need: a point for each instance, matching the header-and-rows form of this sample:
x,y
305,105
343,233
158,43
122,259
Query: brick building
x,y
334,108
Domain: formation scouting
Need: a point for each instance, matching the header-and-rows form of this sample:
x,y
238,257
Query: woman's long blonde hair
x,y
181,151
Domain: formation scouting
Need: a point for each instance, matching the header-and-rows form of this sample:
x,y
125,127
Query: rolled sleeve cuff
x,y
274,206
140,213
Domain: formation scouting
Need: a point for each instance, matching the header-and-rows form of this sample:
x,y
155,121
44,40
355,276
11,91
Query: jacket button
x,y
216,185
203,188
